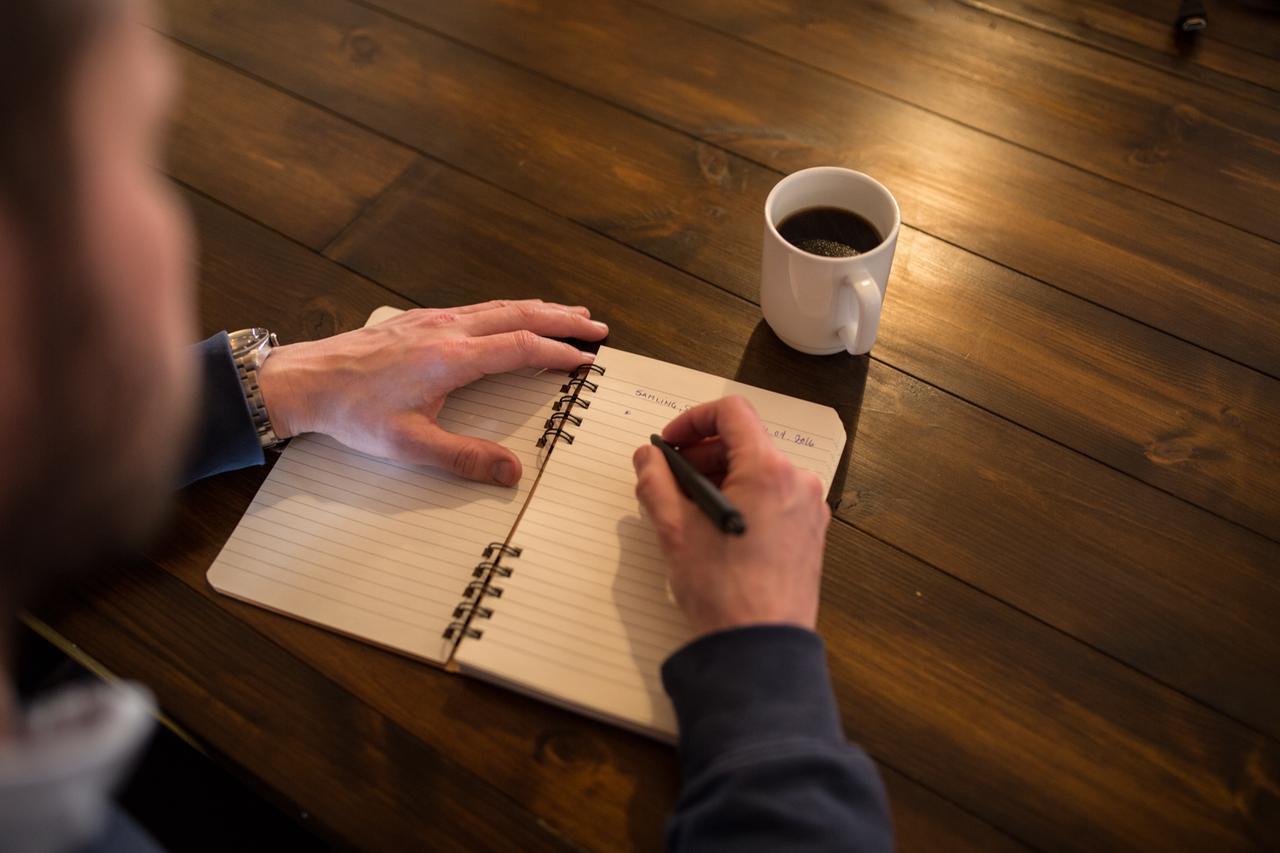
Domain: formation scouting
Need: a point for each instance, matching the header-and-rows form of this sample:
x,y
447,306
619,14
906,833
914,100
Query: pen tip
x,y
735,525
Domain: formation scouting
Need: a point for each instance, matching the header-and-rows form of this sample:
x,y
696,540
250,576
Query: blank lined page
x,y
586,619
380,550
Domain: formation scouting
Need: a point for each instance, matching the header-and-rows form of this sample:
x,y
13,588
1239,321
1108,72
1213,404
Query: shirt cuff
x,y
738,688
224,437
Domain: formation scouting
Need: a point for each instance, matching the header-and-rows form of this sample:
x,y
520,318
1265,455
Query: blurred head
x,y
95,286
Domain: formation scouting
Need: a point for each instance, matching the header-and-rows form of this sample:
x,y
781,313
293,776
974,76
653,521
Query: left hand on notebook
x,y
378,389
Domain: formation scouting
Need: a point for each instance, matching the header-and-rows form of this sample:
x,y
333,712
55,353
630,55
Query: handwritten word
x,y
665,402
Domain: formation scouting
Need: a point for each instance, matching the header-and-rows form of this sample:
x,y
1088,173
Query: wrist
x,y
283,379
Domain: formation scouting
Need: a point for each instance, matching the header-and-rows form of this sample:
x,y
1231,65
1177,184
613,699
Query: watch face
x,y
244,340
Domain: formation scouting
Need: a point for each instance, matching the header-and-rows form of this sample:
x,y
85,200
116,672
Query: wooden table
x,y
1052,595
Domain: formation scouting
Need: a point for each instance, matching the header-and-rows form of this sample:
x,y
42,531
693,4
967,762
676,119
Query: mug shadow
x,y
836,380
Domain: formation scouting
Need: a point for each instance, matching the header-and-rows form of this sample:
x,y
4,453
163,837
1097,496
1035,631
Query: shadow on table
x,y
831,380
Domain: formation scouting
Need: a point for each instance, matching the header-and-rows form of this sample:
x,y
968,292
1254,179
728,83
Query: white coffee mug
x,y
823,305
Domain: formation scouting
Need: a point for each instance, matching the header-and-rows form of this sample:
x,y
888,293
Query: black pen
x,y
702,491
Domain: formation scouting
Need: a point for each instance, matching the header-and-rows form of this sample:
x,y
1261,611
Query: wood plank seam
x,y
364,208
933,112
1244,724
374,7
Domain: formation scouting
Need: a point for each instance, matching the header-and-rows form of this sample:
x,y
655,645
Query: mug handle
x,y
859,301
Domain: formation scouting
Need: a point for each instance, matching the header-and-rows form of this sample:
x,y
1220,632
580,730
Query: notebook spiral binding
x,y
470,608
563,407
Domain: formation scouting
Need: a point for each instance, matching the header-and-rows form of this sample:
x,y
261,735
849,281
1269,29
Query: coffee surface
x,y
831,232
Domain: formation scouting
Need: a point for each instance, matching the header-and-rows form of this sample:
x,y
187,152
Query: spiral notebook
x,y
556,587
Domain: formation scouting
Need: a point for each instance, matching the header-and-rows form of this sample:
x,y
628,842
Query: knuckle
x,y
670,532
776,466
449,350
434,317
644,489
814,486
739,405
467,459
524,341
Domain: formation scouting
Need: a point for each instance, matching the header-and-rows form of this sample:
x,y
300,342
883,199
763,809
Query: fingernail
x,y
600,327
587,357
504,472
640,458
580,309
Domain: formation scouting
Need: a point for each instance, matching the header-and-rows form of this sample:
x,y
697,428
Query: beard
x,y
100,461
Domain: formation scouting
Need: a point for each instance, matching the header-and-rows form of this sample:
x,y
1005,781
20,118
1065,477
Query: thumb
x,y
658,493
470,457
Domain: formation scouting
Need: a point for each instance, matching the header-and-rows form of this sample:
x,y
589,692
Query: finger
x,y
658,493
553,321
710,456
514,350
731,418
506,303
470,457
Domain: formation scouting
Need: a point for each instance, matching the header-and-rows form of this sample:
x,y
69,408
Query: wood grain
x,y
1061,537
1004,202
698,208
1203,58
1195,145
297,167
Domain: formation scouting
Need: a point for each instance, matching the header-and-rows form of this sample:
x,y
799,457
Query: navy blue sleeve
x,y
764,760
224,437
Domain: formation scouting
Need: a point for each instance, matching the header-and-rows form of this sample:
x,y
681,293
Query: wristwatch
x,y
250,348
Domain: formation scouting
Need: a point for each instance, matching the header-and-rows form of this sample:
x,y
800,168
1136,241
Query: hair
x,y
44,505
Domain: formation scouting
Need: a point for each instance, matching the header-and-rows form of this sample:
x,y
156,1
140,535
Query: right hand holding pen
x,y
769,575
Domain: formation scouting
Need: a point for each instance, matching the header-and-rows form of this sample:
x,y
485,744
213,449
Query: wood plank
x,y
1243,23
1049,220
1001,713
1124,33
1203,434
297,167
359,776
550,762
1188,143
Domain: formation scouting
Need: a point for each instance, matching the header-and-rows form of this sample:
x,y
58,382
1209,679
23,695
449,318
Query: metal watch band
x,y
250,348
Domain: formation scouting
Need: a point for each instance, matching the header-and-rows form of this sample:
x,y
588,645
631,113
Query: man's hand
x,y
771,573
379,389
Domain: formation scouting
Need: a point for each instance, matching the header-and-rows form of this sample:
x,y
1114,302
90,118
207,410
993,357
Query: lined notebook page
x,y
379,550
586,619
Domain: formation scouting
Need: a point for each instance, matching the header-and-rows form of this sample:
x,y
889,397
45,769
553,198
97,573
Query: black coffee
x,y
831,232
